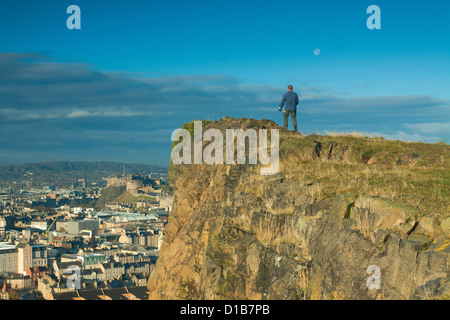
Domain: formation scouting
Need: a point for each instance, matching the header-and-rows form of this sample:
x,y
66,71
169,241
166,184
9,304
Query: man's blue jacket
x,y
291,99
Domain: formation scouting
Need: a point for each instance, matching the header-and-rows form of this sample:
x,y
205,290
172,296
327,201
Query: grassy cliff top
x,y
324,166
412,172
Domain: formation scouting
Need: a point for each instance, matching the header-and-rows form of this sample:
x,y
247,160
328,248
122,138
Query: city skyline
x,y
117,88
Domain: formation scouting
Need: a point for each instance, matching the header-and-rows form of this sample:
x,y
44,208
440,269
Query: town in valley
x,y
109,230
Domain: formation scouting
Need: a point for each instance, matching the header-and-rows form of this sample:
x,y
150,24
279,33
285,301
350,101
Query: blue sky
x,y
137,70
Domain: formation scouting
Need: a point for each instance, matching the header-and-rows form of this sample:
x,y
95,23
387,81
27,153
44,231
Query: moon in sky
x,y
316,52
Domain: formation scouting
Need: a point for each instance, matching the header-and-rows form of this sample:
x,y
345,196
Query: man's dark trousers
x,y
294,120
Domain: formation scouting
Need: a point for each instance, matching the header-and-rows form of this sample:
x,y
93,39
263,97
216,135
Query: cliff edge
x,y
345,217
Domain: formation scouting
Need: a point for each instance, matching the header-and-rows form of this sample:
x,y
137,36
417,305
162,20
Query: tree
x,y
13,295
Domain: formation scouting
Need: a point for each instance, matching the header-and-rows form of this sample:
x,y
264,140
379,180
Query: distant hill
x,y
62,171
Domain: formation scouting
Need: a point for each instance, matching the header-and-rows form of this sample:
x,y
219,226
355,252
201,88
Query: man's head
x,y
290,88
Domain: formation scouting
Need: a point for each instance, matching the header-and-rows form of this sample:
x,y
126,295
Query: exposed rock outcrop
x,y
302,233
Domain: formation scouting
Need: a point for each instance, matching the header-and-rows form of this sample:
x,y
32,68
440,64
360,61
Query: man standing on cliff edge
x,y
291,99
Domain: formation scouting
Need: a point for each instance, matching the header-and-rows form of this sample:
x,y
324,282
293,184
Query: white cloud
x,y
438,128
16,114
398,135
107,113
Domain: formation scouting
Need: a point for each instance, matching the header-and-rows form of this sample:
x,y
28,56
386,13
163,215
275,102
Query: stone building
x,y
112,270
61,269
132,182
8,257
75,227
18,258
141,237
2,226
36,272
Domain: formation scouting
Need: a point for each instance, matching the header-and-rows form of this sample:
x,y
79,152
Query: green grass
x,y
415,173
411,172
128,198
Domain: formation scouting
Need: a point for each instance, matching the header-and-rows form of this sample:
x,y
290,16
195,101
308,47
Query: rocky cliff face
x,y
346,217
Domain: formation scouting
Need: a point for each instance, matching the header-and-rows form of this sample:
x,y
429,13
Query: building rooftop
x,y
65,265
91,271
6,246
126,293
